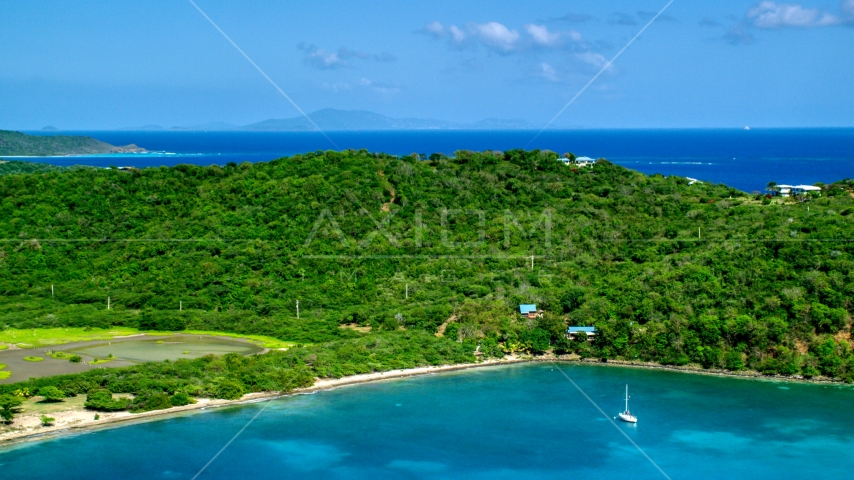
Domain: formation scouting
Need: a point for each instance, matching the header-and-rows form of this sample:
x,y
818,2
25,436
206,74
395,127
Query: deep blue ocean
x,y
747,160
511,422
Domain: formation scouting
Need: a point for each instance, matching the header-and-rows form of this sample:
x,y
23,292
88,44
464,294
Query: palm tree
x,y
772,187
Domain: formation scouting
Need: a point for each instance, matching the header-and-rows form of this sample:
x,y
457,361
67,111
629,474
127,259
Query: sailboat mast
x,y
627,398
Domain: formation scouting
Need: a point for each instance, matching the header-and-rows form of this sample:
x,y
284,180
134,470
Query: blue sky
x,y
101,64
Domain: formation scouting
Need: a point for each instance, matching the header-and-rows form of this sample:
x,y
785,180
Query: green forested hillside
x,y
11,167
666,271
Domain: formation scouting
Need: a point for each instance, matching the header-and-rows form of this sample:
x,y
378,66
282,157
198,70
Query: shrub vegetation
x,y
395,248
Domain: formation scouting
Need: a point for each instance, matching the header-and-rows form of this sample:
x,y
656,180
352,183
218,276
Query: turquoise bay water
x,y
511,422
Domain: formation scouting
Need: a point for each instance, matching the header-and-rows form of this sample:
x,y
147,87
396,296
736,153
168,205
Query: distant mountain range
x,y
331,119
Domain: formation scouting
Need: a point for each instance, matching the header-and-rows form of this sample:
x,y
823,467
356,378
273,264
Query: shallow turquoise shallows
x,y
510,422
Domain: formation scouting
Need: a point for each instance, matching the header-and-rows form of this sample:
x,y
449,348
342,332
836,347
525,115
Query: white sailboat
x,y
627,416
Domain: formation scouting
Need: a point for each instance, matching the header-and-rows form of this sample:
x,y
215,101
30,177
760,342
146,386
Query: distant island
x,y
20,144
335,120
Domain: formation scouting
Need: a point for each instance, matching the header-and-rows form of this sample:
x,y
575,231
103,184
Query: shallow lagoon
x,y
157,349
126,351
520,421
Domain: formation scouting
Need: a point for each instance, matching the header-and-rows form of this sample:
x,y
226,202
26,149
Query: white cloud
x,y
456,34
499,37
379,87
548,72
337,87
574,35
542,35
770,14
436,29
495,35
593,59
847,8
439,31
363,84
320,58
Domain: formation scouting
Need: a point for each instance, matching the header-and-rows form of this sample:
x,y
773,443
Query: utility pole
x,y
297,309
108,303
407,291
532,262
180,305
699,236
51,291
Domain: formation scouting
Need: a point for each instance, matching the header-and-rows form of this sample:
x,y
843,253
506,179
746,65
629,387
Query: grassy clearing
x,y
260,340
4,374
99,361
46,337
33,359
35,405
71,357
3,346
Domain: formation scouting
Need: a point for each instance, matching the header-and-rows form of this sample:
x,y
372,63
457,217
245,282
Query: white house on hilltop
x,y
805,189
781,190
789,190
579,162
584,161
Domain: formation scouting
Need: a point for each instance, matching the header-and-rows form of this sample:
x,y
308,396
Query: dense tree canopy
x,y
666,271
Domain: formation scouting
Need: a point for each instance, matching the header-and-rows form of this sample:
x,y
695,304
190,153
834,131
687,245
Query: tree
x,y
572,298
180,399
536,339
148,401
9,406
772,187
228,389
452,331
103,400
733,361
52,394
47,421
563,344
489,348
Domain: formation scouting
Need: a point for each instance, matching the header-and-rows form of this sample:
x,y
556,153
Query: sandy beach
x,y
71,416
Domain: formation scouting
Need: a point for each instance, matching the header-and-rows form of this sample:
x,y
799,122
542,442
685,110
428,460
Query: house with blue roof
x,y
530,311
589,332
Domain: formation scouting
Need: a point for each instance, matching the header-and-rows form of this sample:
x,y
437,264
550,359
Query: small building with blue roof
x,y
589,332
530,311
